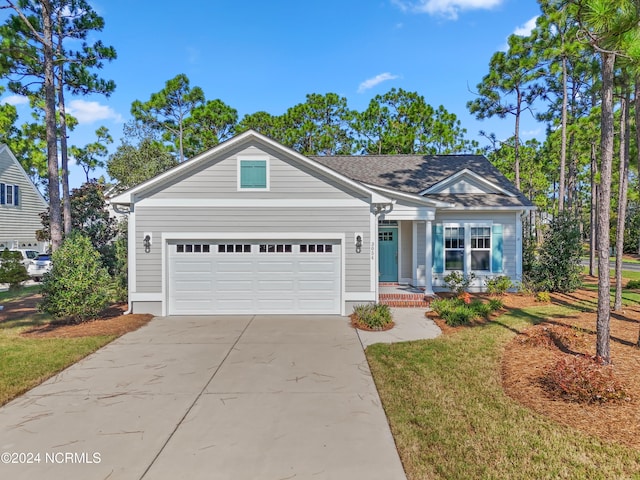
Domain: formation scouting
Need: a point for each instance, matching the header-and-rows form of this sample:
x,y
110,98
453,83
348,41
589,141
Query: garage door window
x,y
276,248
234,248
316,248
193,248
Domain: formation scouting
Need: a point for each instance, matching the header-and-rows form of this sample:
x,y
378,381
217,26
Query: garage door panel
x,y
255,281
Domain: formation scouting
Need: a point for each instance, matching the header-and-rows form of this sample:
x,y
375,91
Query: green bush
x,y
78,285
543,297
633,284
372,316
455,311
12,270
496,304
558,266
499,285
120,279
457,282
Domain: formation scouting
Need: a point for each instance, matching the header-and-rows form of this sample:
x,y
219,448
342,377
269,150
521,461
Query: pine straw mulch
x,y
535,349
111,321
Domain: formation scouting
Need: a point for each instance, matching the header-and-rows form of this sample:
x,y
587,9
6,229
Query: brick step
x,y
405,300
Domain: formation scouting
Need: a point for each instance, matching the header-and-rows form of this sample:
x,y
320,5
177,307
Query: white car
x,y
39,266
27,255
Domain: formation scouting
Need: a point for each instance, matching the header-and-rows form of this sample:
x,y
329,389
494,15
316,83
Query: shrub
x,y
12,270
457,282
633,284
455,312
499,285
372,316
496,304
583,379
77,286
558,266
543,297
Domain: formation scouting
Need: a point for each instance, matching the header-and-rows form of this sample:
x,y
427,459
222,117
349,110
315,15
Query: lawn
x,y
451,419
25,361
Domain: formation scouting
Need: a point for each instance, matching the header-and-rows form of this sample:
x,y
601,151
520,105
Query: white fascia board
x,y
251,202
253,236
408,196
493,209
442,184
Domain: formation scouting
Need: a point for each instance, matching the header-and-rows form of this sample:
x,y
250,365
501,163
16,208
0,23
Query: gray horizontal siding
x,y
211,220
219,179
19,223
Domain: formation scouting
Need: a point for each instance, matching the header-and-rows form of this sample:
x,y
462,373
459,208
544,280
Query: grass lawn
x,y
451,419
26,362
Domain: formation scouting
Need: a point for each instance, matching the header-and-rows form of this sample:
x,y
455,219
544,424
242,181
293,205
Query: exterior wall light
x,y
358,242
147,242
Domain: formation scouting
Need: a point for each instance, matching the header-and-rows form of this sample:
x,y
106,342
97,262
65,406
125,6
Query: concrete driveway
x,y
242,397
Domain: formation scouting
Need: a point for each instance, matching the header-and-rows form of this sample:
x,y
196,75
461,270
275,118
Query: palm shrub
x,y
78,285
12,270
372,316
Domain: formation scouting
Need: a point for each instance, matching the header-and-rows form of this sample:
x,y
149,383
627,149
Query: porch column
x,y
414,258
428,264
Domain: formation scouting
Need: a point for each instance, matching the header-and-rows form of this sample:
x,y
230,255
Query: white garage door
x,y
239,277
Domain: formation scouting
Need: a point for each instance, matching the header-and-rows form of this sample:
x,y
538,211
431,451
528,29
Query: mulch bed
x,y
531,353
526,359
111,321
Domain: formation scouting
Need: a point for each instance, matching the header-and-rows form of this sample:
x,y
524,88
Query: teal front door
x,y
388,254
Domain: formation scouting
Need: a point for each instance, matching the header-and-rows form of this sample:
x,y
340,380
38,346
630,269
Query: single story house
x,y
21,204
251,226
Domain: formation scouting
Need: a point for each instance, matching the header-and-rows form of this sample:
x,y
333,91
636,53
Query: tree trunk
x,y
593,217
516,142
636,101
563,144
603,322
50,126
64,156
622,189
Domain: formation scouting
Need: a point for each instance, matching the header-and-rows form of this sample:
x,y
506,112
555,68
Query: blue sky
x,y
257,55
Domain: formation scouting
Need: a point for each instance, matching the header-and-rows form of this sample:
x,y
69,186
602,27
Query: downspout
x,y
125,212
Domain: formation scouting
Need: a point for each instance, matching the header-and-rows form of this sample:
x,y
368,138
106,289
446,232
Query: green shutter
x,y
253,174
438,246
496,249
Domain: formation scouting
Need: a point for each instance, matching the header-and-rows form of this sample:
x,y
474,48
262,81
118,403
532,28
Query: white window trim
x,y
467,246
9,200
262,158
490,249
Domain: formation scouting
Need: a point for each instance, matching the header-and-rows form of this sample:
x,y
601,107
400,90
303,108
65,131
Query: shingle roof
x,y
415,173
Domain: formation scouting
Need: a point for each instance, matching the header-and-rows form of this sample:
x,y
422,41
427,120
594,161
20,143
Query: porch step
x,y
405,300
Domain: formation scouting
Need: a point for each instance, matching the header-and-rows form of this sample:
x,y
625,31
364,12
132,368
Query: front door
x,y
388,254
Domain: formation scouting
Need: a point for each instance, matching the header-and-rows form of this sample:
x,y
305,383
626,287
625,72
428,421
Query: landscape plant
x,y
77,287
12,270
455,312
457,282
372,316
499,285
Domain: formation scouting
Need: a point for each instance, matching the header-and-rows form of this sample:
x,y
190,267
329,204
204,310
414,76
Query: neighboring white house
x,y
251,226
21,204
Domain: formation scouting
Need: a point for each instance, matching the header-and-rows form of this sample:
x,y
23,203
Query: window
x,y
316,248
234,248
481,248
193,248
386,236
454,248
252,174
9,194
276,248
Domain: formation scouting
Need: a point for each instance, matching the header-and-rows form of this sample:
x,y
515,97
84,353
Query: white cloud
x,y
526,29
446,8
372,82
89,112
15,100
